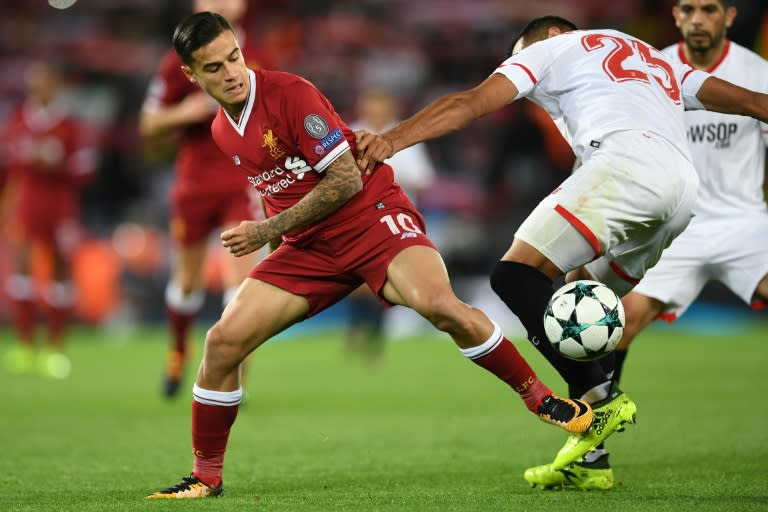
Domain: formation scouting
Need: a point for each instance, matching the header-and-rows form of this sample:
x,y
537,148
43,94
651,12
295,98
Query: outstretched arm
x,y
195,108
341,181
722,96
444,115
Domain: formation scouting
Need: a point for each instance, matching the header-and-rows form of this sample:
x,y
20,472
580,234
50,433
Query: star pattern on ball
x,y
611,319
582,290
572,328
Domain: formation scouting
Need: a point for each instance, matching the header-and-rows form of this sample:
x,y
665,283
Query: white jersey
x,y
728,150
596,82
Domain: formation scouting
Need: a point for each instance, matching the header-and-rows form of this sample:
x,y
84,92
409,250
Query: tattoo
x,y
341,181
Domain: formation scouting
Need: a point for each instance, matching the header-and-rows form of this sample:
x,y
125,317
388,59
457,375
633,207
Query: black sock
x,y
608,364
618,365
526,292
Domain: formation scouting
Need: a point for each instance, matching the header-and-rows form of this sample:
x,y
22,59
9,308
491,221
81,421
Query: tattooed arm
x,y
340,182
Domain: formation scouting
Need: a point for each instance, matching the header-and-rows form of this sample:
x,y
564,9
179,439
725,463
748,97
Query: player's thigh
x,y
257,312
417,277
626,262
552,241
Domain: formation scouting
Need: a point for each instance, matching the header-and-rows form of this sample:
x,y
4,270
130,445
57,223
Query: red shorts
x,y
195,216
48,217
339,259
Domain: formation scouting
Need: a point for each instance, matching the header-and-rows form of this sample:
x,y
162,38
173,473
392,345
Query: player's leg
x,y
523,267
256,313
59,298
639,311
363,334
417,278
20,290
234,206
184,296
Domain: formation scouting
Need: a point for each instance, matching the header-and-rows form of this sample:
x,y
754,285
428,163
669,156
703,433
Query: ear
x,y
676,15
730,15
188,73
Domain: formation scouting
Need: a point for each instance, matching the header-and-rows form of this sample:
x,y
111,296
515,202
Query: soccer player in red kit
x,y
47,163
339,230
201,200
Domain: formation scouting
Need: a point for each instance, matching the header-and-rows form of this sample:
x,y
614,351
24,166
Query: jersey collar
x,y
713,67
240,124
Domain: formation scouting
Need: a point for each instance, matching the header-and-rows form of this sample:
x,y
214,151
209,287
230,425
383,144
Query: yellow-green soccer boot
x,y
595,476
610,415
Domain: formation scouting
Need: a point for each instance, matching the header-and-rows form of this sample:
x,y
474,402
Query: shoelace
x,y
186,483
557,409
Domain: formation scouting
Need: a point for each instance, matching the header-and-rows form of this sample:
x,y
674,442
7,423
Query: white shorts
x,y
618,211
732,250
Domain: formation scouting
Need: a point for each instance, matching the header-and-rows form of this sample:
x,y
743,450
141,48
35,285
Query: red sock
x,y
57,320
180,324
210,433
23,318
506,363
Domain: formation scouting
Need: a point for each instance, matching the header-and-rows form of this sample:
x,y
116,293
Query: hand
x,y
248,236
372,149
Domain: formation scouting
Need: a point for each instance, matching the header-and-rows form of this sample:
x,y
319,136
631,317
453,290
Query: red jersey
x,y
286,137
45,155
199,162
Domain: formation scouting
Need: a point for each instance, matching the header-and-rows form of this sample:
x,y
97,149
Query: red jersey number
x,y
614,62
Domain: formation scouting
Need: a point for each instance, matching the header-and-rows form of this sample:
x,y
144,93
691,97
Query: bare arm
x,y
195,108
444,115
339,184
722,96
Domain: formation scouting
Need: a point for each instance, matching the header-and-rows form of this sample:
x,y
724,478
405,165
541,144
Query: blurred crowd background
x,y
488,176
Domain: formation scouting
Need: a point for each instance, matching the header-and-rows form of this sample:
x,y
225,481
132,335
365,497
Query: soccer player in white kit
x,y
727,239
619,102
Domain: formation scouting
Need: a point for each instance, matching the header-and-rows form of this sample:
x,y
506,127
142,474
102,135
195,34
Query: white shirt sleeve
x,y
690,83
526,68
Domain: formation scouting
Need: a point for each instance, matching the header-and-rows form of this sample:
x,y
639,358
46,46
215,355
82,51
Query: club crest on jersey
x,y
271,142
236,159
316,126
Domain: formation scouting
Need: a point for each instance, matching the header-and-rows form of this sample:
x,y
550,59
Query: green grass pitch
x,y
424,431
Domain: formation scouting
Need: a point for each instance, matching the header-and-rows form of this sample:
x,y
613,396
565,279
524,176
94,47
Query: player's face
x,y
232,10
703,23
220,70
41,82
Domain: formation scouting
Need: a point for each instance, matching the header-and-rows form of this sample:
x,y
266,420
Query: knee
x,y
443,310
222,348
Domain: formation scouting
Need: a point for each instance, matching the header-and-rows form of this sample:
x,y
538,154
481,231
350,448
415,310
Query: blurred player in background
x,y
339,231
727,239
378,111
206,196
619,103
48,161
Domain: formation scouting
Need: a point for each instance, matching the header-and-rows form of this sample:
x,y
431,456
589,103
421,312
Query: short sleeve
x,y
526,68
317,129
690,83
168,86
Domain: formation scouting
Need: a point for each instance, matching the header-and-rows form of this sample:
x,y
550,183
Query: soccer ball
x,y
584,320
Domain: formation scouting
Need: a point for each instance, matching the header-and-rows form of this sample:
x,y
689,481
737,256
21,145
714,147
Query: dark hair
x,y
196,31
538,28
725,3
